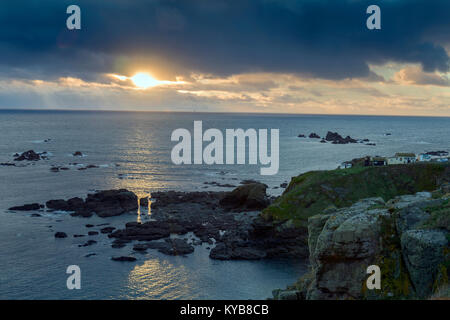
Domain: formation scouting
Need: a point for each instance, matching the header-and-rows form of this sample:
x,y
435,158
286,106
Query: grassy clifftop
x,y
311,193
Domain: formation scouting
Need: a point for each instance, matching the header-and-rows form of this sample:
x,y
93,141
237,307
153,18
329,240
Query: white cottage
x,y
402,158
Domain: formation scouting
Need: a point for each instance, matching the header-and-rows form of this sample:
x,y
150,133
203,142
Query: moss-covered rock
x,y
413,261
311,193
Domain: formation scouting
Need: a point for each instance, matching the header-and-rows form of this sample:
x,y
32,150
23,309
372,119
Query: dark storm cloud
x,y
326,39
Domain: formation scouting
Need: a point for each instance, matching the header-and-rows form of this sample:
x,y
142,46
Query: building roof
x,y
378,159
400,154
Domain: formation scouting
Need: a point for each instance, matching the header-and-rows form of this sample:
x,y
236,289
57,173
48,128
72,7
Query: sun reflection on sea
x,y
159,279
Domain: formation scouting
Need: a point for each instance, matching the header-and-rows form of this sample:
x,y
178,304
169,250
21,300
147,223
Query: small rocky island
x,y
335,138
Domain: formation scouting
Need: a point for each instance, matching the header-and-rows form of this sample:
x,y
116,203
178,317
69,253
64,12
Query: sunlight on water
x,y
159,279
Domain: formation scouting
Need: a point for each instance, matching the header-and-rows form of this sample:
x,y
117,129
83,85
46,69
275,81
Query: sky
x,y
275,56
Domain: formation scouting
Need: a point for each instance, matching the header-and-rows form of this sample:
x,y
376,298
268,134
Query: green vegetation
x,y
439,216
310,193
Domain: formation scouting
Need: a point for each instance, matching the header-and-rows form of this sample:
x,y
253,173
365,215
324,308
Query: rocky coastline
x,y
397,218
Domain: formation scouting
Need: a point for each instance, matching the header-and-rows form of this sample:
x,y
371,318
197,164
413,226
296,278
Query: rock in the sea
x,y
111,202
60,235
103,203
250,196
59,204
124,258
29,155
7,164
119,243
27,207
301,136
93,233
226,252
151,230
336,138
88,243
314,135
77,154
176,247
107,230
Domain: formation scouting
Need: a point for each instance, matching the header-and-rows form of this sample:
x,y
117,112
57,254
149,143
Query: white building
x,y
345,165
402,158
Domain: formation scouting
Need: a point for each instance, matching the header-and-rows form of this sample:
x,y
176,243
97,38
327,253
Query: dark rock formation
x,y
404,237
103,203
151,230
29,155
314,135
111,202
27,207
88,243
336,138
59,204
301,136
124,258
7,164
250,196
77,154
60,235
107,230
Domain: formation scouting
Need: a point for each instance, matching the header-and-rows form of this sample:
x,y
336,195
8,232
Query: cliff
x,y
407,237
313,192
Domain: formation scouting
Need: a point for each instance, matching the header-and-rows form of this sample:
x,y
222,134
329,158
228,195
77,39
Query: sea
x,y
132,150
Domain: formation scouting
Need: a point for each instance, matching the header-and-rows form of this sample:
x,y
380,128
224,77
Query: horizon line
x,y
222,112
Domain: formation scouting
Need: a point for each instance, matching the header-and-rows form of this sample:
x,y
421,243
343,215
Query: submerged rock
x,y
60,235
124,258
88,243
27,207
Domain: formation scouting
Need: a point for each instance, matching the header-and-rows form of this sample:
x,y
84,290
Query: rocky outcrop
x,y
124,258
60,235
336,138
248,197
314,135
172,246
401,236
111,202
27,207
29,155
103,203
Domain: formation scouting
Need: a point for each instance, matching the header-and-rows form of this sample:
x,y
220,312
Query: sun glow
x,y
144,80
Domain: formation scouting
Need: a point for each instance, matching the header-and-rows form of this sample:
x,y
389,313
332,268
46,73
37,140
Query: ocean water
x,y
132,150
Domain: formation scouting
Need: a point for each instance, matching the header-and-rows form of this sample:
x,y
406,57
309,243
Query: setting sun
x,y
144,80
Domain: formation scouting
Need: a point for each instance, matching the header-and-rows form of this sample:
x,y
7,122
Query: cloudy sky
x,y
306,56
